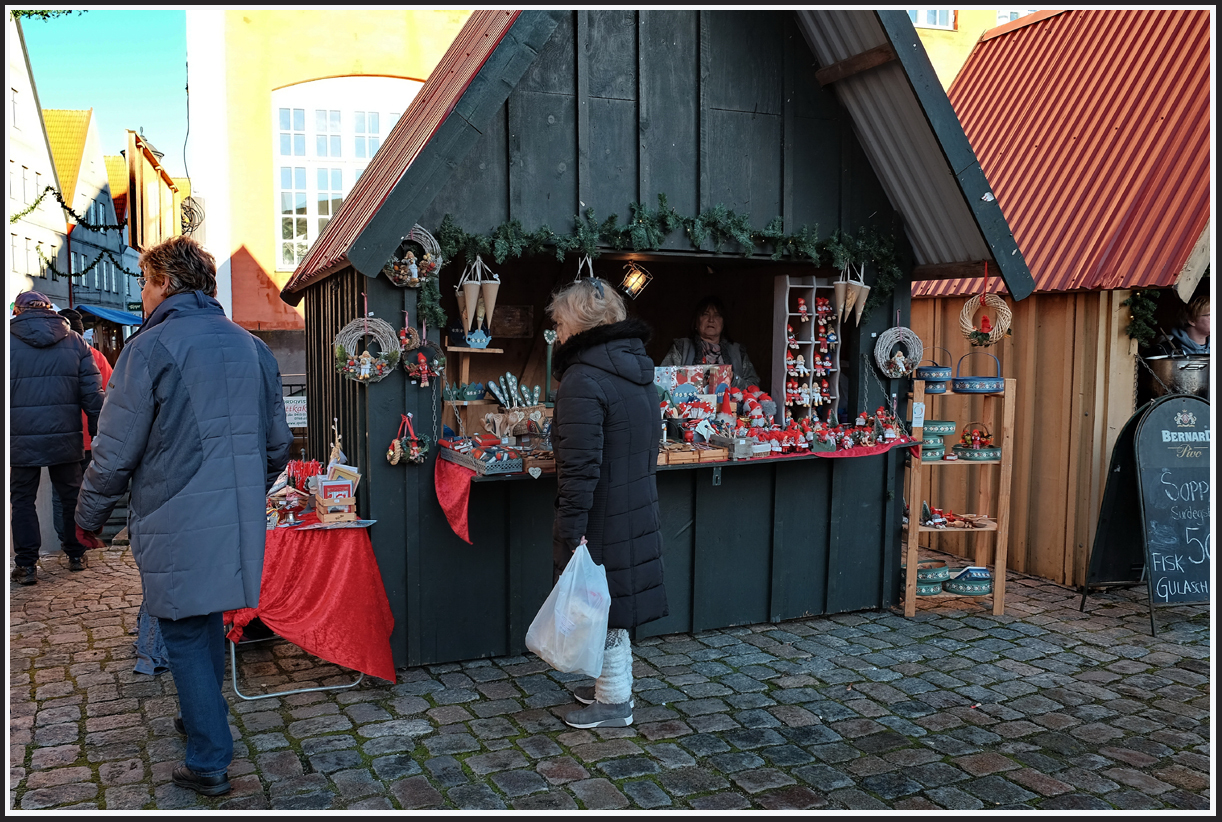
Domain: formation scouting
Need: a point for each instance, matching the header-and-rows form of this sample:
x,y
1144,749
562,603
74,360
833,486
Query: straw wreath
x,y
1000,329
914,351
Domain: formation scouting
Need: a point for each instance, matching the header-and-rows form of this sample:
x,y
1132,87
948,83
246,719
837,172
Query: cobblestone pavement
x,y
1044,708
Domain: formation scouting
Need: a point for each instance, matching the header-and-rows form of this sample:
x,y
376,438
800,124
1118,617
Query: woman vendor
x,y
709,344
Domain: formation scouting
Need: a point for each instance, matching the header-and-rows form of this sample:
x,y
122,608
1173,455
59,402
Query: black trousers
x,y
23,492
57,505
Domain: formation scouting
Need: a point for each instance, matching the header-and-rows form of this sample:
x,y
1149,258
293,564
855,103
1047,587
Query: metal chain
x,y
865,361
1146,366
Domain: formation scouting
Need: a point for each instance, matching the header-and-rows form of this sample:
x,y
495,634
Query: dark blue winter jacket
x,y
194,418
52,378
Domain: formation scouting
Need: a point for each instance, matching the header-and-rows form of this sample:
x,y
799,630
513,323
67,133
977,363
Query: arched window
x,y
324,133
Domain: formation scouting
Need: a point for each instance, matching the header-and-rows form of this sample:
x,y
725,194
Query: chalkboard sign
x,y
1173,448
1154,524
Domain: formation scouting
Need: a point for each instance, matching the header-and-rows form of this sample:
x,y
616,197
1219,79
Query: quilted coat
x,y
605,432
52,380
194,419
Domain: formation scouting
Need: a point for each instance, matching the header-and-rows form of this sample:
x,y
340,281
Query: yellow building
x,y
949,35
286,109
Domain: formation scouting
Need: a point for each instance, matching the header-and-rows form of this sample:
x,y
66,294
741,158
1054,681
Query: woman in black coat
x,y
605,432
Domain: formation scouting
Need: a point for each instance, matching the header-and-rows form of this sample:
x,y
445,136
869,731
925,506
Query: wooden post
x,y
1003,499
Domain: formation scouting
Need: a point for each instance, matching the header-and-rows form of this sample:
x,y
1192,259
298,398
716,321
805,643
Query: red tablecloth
x,y
323,592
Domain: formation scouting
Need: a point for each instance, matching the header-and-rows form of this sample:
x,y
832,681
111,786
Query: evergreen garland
x,y
105,253
428,304
1142,305
648,228
80,221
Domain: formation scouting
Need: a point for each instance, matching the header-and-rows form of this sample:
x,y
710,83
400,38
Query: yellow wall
x,y
949,50
267,50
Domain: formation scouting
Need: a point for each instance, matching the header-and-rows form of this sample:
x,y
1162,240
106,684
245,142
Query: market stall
x,y
108,328
547,147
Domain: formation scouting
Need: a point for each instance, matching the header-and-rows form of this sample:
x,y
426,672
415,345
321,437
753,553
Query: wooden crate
x,y
349,503
545,462
712,453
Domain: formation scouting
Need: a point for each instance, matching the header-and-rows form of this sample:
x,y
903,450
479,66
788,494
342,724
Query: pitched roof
x,y
116,172
1094,128
66,131
433,103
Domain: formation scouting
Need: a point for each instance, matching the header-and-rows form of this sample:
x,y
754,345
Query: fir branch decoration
x,y
1142,305
80,221
55,272
429,303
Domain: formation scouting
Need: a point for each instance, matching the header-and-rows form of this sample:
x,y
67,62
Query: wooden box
x,y
545,461
322,509
711,453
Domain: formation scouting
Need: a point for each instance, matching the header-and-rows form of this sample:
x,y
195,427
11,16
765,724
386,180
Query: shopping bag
x,y
570,630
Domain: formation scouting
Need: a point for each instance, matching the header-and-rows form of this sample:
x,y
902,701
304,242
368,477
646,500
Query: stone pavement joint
x,y
1045,708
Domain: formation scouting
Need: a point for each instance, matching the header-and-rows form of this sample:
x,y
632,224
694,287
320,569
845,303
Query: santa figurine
x,y
803,314
790,364
792,340
726,415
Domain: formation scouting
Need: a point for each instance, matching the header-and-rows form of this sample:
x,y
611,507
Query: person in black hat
x,y
52,379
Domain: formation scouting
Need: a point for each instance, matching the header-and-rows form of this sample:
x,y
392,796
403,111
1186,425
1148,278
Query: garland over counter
x,y
647,229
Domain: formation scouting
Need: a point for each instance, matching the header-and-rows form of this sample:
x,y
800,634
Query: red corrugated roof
x,y
1093,129
474,44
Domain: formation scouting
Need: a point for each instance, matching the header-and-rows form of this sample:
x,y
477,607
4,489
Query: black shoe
x,y
77,563
178,726
184,777
23,575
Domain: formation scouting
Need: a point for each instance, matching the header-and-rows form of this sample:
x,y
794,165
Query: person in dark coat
x,y
52,380
606,428
194,421
710,344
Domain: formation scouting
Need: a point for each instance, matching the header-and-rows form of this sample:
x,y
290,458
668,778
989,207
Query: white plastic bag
x,y
570,630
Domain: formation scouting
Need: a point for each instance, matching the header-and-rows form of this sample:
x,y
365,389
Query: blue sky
x,y
129,66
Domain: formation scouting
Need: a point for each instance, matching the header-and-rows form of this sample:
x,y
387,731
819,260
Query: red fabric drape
x,y
869,451
453,482
323,592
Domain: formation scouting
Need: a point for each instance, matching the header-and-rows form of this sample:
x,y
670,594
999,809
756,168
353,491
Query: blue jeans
x,y
196,650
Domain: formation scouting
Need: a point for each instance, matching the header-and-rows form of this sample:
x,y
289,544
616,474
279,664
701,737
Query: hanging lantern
x,y
635,280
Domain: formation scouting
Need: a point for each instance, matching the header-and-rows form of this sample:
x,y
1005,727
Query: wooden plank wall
x,y
1076,372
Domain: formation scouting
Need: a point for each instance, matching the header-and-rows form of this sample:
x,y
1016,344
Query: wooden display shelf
x,y
464,350
472,402
1000,409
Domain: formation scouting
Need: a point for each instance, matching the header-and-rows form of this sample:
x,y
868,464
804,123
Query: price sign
x,y
295,411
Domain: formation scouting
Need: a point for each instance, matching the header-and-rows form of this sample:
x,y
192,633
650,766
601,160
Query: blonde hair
x,y
1194,310
586,303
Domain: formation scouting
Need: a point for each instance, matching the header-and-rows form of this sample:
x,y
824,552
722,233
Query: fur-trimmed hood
x,y
618,348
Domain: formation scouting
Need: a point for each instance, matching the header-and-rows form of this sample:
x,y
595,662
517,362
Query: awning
x,y
113,315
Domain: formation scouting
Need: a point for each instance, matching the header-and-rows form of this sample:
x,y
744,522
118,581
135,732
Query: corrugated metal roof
x,y
908,130
1094,128
66,132
475,42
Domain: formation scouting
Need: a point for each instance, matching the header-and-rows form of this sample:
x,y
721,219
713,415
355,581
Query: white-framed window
x,y
368,135
26,199
932,18
324,133
13,104
330,194
292,132
31,259
37,183
328,135
294,219
13,247
1010,15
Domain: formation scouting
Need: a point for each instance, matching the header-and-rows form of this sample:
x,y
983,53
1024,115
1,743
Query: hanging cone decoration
x,y
841,290
462,304
489,289
470,290
850,300
863,291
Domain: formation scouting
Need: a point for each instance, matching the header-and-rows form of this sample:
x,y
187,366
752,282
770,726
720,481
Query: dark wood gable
x,y
704,107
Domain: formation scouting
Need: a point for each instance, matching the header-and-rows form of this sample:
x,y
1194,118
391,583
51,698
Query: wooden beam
x,y
952,271
849,66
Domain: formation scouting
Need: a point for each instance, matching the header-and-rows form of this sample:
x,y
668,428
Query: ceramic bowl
x,y
941,427
932,454
970,454
968,587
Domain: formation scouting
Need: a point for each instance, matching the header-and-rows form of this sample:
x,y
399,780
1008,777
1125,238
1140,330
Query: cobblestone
x,y
1045,708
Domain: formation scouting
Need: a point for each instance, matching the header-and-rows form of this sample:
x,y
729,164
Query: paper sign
x,y
918,415
295,411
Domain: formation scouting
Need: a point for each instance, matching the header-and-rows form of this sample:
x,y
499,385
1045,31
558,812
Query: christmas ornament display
x,y
407,445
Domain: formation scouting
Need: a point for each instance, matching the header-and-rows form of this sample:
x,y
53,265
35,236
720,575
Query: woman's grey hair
x,y
586,303
182,261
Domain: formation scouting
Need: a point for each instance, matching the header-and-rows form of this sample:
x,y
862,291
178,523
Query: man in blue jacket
x,y
52,379
194,420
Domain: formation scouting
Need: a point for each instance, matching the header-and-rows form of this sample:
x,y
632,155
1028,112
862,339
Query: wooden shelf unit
x,y
785,301
459,408
999,409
